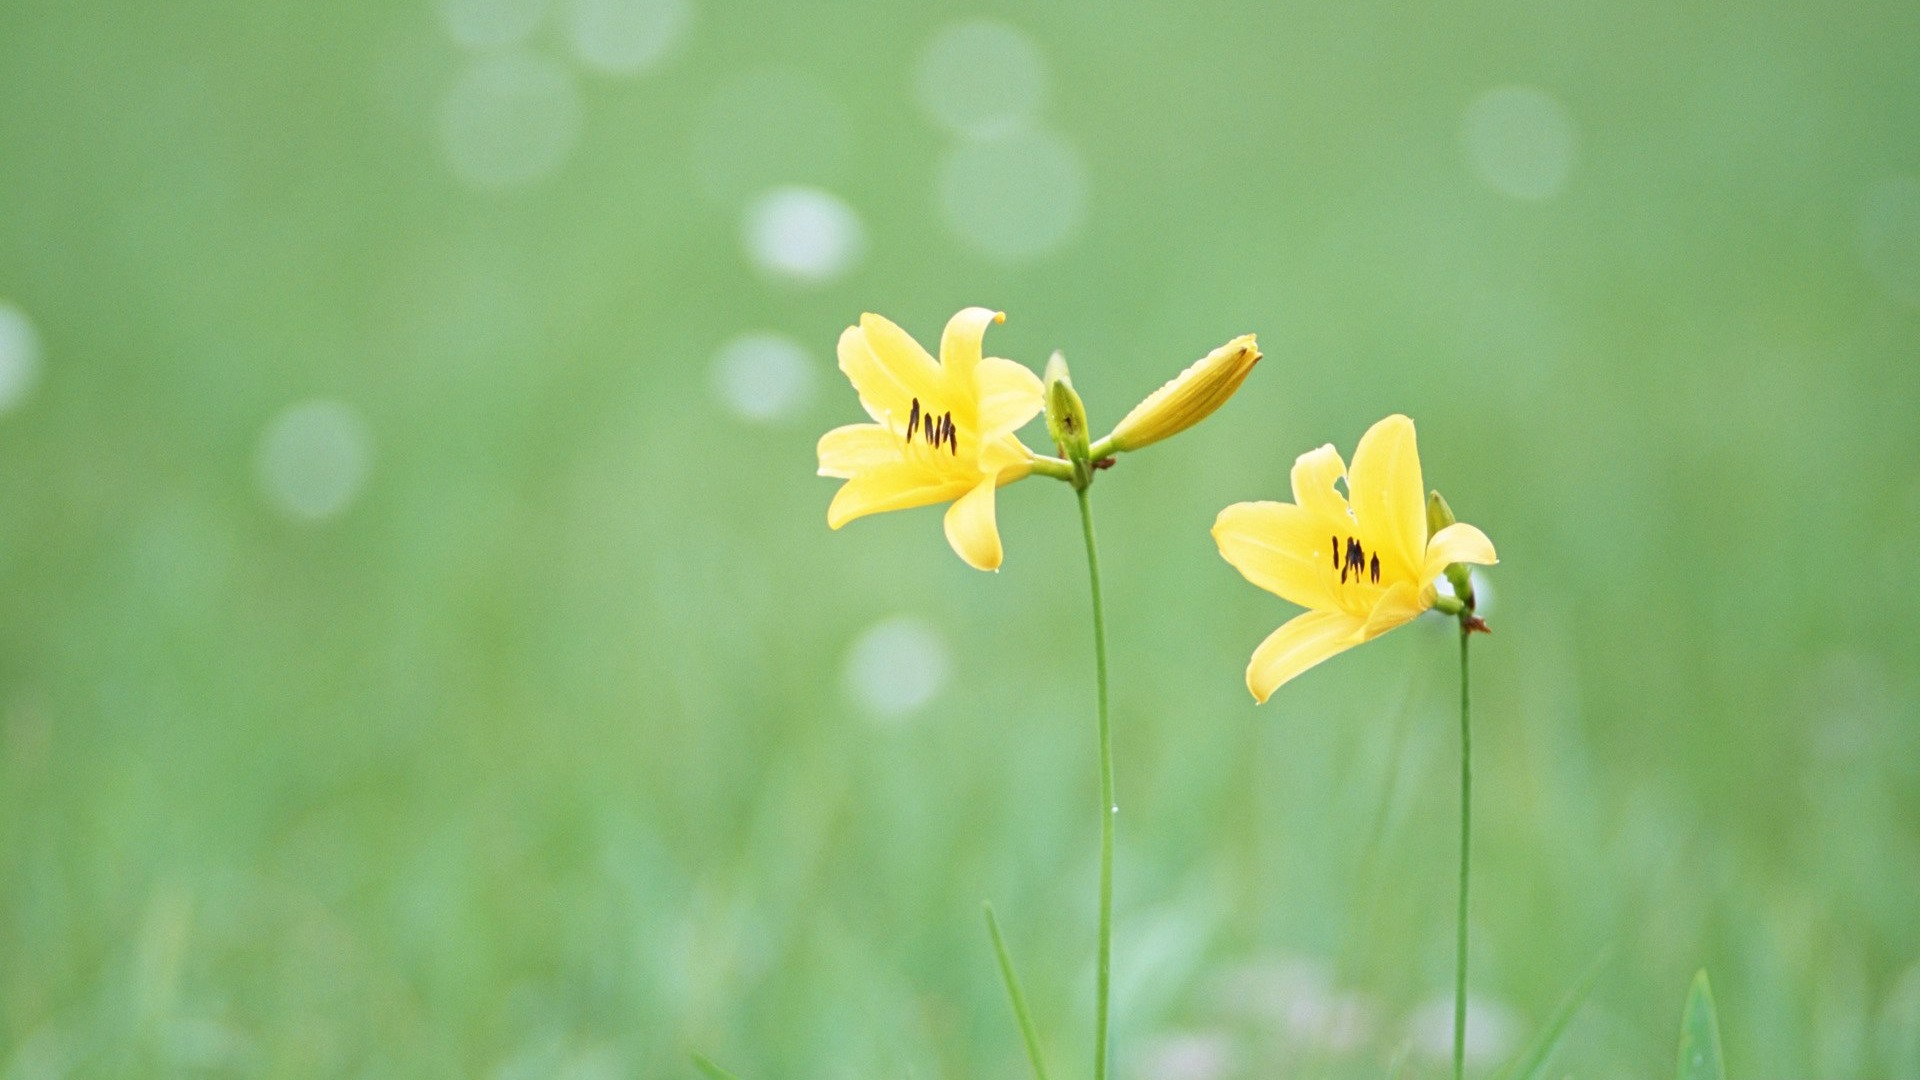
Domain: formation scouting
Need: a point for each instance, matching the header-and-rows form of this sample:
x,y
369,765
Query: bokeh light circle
x,y
897,667
1490,1030
1482,589
626,37
762,377
981,77
314,458
803,234
510,120
767,128
1014,196
1520,141
19,356
1889,237
491,24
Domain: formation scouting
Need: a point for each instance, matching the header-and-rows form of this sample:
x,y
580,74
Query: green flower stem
x,y
1102,449
1052,466
1104,968
1466,836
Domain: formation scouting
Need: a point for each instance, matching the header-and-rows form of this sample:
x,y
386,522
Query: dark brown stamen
x,y
1353,560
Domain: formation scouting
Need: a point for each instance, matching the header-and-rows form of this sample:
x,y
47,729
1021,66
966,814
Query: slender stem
x,y
1104,969
1052,466
1027,1031
1466,836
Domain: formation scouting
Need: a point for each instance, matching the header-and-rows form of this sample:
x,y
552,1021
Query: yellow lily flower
x,y
942,432
1360,567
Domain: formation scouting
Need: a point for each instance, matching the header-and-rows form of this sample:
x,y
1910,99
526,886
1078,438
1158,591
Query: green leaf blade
x,y
1700,1057
1028,1033
1531,1064
710,1070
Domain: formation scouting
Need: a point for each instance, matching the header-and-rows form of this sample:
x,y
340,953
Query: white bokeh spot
x,y
1520,142
1482,589
981,77
314,458
897,667
19,356
763,377
1491,1027
626,37
804,234
511,119
1015,196
767,128
491,24
1889,237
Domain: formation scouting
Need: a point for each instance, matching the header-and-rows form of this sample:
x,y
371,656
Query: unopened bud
x,y
1459,575
1189,397
1066,413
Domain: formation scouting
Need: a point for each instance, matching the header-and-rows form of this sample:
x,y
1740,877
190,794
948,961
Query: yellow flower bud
x,y
1188,398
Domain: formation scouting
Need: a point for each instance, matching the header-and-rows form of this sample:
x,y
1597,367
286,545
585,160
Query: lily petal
x,y
1314,474
887,367
1303,642
971,528
1277,546
855,448
1010,395
1458,542
1400,604
960,342
1389,501
897,486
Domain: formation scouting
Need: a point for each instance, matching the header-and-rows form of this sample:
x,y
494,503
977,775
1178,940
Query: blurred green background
x,y
422,652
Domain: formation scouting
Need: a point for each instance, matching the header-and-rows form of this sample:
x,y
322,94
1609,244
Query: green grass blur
x,y
537,756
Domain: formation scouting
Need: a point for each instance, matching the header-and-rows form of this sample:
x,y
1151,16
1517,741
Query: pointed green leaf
x,y
1700,1035
1532,1062
1028,1033
710,1070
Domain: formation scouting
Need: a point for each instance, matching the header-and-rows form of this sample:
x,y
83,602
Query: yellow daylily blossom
x,y
1360,566
942,431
